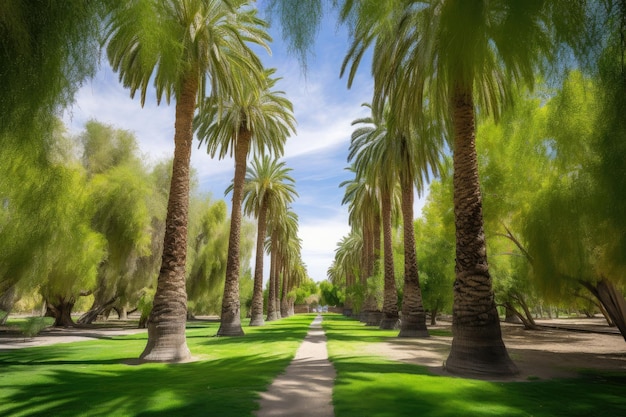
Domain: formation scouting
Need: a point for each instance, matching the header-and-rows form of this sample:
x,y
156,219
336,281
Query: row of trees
x,y
90,222
440,67
199,53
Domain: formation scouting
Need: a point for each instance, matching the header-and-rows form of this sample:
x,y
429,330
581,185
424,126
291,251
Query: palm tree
x,y
465,54
282,226
182,46
372,150
293,273
364,213
268,188
253,116
346,268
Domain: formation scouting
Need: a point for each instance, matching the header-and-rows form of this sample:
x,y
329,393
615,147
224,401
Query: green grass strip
x,y
372,386
93,378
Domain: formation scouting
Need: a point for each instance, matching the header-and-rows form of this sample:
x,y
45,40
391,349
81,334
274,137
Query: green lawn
x,y
93,379
372,386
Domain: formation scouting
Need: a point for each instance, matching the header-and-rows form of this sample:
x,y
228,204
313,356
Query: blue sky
x,y
324,110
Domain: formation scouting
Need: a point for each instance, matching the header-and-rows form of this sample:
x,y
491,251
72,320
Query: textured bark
x,y
167,321
7,301
61,310
390,302
271,294
284,304
96,309
230,324
477,346
413,323
613,301
279,274
256,311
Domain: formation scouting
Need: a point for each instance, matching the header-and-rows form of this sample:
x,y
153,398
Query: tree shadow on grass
x,y
377,388
225,387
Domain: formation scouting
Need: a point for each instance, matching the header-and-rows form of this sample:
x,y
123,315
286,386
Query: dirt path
x,y
51,336
305,389
543,354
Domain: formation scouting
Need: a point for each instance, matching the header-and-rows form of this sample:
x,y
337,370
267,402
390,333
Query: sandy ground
x,y
51,336
539,354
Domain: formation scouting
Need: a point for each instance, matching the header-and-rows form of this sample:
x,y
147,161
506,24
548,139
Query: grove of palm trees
x,y
505,118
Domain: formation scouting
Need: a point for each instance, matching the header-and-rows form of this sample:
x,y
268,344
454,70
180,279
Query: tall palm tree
x,y
184,46
364,213
372,150
268,188
293,269
283,226
399,151
253,117
465,54
346,268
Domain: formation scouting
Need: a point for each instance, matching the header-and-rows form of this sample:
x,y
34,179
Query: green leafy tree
x,y
572,232
72,256
331,295
184,47
208,249
48,50
121,190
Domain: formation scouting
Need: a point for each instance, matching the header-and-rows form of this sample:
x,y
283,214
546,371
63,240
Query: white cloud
x,y
319,240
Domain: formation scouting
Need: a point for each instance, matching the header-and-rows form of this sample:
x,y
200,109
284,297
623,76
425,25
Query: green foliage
x,y
305,291
206,254
105,147
144,305
434,237
246,287
75,251
331,295
32,326
47,49
573,229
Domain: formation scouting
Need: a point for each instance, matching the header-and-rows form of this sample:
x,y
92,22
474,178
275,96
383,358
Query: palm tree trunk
x,y
271,294
277,282
413,323
284,305
477,346
230,323
256,313
390,301
168,318
373,247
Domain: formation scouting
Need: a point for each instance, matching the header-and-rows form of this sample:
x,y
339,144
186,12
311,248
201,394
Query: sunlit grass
x,y
372,386
93,378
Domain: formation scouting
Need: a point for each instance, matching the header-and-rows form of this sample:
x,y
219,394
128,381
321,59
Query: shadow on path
x,y
306,387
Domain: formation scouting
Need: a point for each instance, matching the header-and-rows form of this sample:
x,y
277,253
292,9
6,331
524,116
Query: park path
x,y
306,387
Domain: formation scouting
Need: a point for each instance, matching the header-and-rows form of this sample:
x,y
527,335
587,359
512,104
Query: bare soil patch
x,y
539,354
13,339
